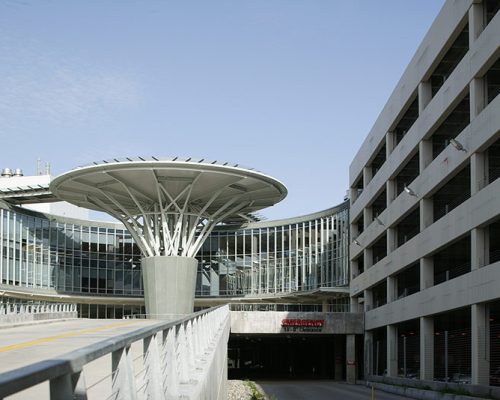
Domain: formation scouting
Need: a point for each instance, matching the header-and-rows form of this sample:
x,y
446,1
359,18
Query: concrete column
x,y
368,354
426,213
424,154
392,350
353,195
354,230
392,289
390,143
480,340
354,269
427,348
476,21
424,95
367,176
338,356
354,305
169,284
368,296
477,96
391,240
368,257
350,351
479,252
478,172
426,272
325,306
214,282
367,216
390,187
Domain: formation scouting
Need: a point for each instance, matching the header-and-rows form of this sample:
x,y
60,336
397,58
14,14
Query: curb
x,y
422,394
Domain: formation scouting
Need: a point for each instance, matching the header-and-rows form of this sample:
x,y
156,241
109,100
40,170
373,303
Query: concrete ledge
x,y
28,323
419,393
20,319
419,389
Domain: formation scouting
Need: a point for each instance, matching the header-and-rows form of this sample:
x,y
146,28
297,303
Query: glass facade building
x,y
42,252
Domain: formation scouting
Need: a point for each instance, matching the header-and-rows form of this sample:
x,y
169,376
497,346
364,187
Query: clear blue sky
x,y
290,88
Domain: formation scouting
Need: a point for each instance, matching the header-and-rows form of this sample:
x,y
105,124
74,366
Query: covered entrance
x,y
283,356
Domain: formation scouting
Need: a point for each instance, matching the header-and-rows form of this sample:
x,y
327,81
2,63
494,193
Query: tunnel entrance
x,y
282,356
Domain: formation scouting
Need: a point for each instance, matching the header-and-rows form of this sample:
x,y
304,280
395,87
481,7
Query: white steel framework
x,y
169,206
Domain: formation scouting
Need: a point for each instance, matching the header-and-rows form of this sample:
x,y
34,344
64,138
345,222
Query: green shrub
x,y
256,394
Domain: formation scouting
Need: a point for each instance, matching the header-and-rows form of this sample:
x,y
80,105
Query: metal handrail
x,y
70,365
22,309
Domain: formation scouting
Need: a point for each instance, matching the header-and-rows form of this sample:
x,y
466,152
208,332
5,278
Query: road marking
x,y
62,336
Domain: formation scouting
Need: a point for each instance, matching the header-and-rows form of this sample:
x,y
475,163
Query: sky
x,y
290,88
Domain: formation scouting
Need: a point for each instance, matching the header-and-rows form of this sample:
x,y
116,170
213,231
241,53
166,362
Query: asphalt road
x,y
318,390
24,345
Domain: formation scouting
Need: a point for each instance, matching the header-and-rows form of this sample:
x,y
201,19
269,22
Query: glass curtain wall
x,y
49,253
38,252
278,259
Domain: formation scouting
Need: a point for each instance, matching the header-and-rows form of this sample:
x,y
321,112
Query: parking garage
x,y
298,345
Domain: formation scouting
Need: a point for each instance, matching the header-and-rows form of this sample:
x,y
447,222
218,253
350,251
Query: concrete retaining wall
x,y
419,389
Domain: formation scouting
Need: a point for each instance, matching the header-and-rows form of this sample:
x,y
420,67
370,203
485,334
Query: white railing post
x,y
182,362
153,378
196,339
123,381
202,338
171,382
190,358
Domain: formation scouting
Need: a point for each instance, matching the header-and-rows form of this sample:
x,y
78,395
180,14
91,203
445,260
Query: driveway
x,y
317,390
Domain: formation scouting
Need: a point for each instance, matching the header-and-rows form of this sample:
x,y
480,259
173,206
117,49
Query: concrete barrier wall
x,y
423,389
18,318
258,322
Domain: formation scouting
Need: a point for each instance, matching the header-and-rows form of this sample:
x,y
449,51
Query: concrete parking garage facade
x,y
425,208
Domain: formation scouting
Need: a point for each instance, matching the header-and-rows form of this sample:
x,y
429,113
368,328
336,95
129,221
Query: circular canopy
x,y
136,186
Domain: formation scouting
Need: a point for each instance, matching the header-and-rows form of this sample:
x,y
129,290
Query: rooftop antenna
x,y
39,167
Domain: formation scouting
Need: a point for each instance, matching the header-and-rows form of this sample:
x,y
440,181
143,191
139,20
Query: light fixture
x,y
457,145
409,191
379,221
355,241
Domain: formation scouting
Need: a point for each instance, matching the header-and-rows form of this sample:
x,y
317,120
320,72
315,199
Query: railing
x,y
452,355
452,272
494,256
290,307
444,207
185,359
8,309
